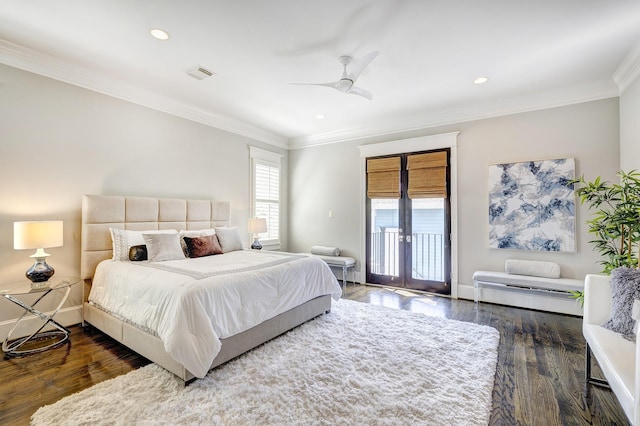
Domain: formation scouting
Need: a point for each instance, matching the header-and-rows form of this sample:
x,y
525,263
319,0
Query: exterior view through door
x,y
408,221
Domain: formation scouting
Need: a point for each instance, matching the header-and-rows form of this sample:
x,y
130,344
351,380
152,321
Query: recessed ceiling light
x,y
319,116
159,34
480,80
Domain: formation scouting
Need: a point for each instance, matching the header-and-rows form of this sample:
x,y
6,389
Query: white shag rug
x,y
361,364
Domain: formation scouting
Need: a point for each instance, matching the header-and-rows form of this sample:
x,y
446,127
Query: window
x,y
265,193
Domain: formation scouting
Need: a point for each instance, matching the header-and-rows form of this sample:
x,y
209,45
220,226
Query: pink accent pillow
x,y
207,245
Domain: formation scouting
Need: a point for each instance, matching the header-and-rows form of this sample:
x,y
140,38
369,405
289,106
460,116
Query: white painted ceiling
x,y
537,54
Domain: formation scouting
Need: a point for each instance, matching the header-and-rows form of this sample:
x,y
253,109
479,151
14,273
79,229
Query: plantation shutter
x,y
427,175
383,177
267,197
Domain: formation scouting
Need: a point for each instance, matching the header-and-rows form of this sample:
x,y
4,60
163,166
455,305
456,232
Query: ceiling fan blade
x,y
360,92
340,85
333,84
359,65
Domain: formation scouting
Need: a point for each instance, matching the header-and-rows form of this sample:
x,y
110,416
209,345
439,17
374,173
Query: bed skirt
x,y
152,348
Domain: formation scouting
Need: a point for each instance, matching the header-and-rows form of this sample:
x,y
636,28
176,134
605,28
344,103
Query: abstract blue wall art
x,y
532,205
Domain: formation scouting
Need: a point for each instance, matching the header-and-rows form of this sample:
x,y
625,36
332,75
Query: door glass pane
x,y
384,237
427,227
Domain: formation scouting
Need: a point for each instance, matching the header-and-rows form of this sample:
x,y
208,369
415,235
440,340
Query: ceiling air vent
x,y
199,73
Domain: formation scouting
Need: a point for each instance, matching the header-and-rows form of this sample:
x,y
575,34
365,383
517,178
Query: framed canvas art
x,y
532,205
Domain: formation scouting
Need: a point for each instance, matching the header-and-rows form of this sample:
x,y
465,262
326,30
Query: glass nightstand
x,y
39,340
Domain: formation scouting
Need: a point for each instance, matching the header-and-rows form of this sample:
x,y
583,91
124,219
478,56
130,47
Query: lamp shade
x,y
37,234
257,225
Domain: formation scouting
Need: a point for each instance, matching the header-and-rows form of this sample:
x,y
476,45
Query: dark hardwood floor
x,y
539,378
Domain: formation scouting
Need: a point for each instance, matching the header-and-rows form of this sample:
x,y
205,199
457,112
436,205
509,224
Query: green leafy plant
x,y
616,221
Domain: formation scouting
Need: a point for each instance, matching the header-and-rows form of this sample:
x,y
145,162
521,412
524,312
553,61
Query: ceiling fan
x,y
347,82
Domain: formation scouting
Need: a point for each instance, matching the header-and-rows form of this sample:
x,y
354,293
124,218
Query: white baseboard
x,y
66,316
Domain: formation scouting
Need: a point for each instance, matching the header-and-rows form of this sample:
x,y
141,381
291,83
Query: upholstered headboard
x,y
101,212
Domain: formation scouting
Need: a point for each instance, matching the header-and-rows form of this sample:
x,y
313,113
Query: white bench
x,y
343,262
617,357
557,285
542,284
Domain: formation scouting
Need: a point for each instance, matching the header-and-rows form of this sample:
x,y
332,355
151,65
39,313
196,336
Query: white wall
x,y
630,127
58,141
327,178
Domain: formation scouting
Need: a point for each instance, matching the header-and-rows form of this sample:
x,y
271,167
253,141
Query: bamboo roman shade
x,y
383,177
427,175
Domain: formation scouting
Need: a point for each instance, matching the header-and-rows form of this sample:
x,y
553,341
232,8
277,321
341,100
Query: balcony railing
x,y
427,254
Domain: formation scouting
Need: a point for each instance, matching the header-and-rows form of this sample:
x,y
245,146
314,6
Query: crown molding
x,y
629,69
454,116
48,66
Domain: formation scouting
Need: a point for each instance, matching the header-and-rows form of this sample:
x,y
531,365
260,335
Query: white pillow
x,y
533,268
193,233
122,240
163,247
229,239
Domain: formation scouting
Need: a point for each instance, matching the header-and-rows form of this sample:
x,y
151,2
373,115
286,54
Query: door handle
x,y
408,238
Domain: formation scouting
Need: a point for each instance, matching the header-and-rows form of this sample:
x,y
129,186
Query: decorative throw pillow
x,y
229,239
138,253
162,247
625,288
202,246
193,233
123,239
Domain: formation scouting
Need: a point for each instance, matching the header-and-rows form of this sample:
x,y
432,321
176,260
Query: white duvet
x,y
193,303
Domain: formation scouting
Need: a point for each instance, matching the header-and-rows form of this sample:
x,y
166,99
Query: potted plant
x,y
616,221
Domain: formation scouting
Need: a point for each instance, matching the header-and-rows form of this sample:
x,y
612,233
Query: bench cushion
x,y
557,284
533,268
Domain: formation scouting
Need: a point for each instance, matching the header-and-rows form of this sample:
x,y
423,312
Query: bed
x,y
189,330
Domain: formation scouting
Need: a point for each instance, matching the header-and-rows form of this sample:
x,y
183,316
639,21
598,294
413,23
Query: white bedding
x,y
193,303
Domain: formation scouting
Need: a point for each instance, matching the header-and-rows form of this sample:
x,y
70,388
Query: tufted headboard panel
x,y
101,212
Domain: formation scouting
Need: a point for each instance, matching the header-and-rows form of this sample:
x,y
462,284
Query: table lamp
x,y
38,235
257,226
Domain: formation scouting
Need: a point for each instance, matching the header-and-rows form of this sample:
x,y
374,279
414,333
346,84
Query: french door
x,y
408,221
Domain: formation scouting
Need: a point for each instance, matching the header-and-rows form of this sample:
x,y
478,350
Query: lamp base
x,y
40,271
256,244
